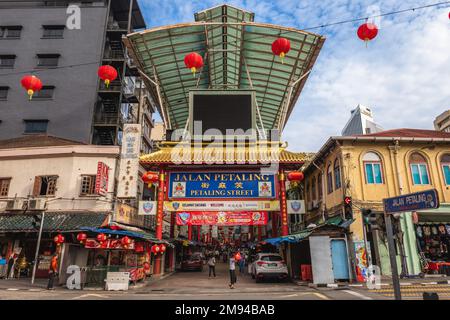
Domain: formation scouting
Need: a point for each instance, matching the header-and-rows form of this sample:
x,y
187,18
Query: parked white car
x,y
269,265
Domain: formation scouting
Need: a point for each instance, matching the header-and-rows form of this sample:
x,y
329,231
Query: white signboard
x,y
147,208
214,232
129,161
269,205
296,206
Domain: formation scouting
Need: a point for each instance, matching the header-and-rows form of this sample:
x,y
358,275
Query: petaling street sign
x,y
225,218
412,202
227,205
221,185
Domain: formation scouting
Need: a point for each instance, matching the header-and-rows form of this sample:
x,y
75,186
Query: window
x,y
4,93
45,93
7,61
319,186
36,126
4,186
88,184
372,168
44,186
53,32
337,174
329,179
419,169
10,32
445,162
48,60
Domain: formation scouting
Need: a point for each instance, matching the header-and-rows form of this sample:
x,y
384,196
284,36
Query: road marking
x,y
289,296
359,295
321,296
12,289
90,295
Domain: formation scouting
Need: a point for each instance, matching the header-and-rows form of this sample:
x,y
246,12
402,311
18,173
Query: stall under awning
x,y
135,234
53,221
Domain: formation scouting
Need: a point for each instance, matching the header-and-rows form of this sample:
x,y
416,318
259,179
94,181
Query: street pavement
x,y
198,286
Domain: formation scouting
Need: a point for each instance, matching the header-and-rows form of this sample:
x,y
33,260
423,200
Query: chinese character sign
x,y
224,218
246,185
129,161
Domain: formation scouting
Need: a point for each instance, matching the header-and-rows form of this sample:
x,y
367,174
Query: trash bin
x,y
306,272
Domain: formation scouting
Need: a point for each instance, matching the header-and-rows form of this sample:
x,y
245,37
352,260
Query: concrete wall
x,y
71,109
69,163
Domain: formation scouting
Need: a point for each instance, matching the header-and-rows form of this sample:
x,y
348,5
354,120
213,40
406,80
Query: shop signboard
x,y
296,206
129,161
221,185
128,215
101,180
147,208
217,205
224,218
108,244
412,202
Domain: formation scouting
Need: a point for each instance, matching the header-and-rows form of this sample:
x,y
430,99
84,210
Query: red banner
x,y
224,218
101,180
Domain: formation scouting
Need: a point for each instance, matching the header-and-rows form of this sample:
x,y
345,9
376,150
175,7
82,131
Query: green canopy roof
x,y
237,55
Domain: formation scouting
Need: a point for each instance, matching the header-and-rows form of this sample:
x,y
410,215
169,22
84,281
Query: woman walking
x,y
212,265
232,271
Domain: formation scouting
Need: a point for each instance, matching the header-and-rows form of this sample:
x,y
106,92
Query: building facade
x,y
361,122
442,122
64,46
369,168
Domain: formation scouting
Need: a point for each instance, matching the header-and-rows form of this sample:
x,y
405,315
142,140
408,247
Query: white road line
x,y
321,296
289,296
12,289
90,295
359,295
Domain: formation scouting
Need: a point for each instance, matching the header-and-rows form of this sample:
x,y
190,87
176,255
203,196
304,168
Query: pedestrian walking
x,y
242,264
212,265
224,257
232,271
52,272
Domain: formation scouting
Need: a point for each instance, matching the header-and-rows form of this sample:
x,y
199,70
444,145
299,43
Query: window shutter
x,y
37,186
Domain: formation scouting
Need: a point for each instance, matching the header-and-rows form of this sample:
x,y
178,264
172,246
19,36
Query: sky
x,y
403,75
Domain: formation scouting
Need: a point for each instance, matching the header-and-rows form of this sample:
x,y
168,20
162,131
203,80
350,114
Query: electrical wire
x,y
258,37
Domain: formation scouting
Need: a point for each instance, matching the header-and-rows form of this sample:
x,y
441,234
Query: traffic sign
x,y
412,202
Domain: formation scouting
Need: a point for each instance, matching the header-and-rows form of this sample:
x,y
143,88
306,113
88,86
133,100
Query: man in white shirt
x,y
232,271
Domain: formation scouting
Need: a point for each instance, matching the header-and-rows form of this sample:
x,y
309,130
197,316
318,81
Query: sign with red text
x,y
224,218
101,180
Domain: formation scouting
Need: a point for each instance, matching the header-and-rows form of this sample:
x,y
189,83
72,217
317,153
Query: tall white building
x,y
361,122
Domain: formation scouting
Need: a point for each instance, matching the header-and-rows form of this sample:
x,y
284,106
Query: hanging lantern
x,y
31,84
281,47
162,248
126,241
296,176
156,249
367,32
107,73
101,237
59,239
193,61
150,177
81,237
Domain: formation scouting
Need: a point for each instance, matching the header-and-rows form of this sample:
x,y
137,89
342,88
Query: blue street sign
x,y
412,202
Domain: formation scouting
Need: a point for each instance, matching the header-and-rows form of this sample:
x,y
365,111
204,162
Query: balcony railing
x,y
113,86
114,54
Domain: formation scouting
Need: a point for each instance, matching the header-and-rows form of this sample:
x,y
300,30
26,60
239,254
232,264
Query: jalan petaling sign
x,y
412,202
220,185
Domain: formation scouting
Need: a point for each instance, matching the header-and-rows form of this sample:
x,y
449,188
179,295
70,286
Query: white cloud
x,y
403,75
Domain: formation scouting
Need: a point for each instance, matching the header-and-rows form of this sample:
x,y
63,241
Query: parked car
x,y
269,266
193,262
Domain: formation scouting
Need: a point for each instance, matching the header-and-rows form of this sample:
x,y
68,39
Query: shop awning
x,y
301,235
141,235
53,222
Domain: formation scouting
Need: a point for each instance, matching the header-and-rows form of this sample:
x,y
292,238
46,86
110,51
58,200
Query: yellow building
x,y
371,167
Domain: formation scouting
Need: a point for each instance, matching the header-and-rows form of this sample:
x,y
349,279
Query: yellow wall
x,y
396,171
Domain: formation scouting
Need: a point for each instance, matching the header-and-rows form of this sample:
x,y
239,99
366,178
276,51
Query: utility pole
x,y
392,257
41,227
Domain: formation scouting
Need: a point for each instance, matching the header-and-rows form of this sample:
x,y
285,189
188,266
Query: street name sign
x,y
412,202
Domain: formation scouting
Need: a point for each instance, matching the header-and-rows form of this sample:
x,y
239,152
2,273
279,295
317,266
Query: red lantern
x,y
150,177
81,237
367,32
31,84
107,73
162,248
59,239
295,176
101,237
193,61
155,249
126,241
281,47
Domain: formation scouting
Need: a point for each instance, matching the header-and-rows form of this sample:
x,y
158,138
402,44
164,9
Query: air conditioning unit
x,y
36,204
16,204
